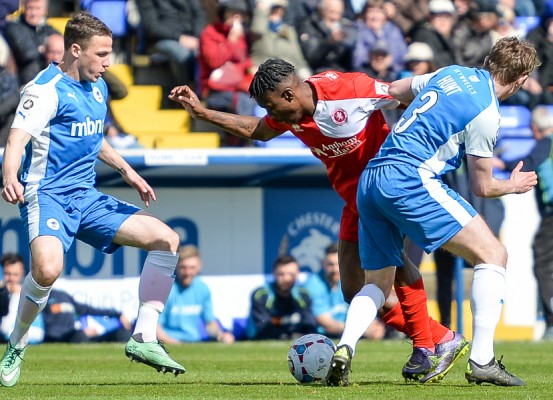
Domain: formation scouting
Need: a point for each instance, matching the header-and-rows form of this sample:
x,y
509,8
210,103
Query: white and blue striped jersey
x,y
455,111
66,121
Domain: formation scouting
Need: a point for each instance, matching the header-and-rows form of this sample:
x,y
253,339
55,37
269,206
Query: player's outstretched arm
x,y
110,157
243,126
401,90
483,184
13,189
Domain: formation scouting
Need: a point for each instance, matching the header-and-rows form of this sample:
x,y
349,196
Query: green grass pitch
x,y
258,370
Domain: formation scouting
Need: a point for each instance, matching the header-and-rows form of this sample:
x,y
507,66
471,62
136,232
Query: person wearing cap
x,y
540,159
375,29
418,60
379,64
437,32
173,28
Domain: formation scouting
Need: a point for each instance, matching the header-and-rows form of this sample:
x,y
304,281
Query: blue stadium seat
x,y
514,148
521,133
514,117
524,24
112,12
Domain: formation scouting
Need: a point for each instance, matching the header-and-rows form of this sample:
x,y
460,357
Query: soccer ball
x,y
309,357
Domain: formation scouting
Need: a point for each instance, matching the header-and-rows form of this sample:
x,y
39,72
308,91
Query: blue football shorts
x,y
401,200
88,215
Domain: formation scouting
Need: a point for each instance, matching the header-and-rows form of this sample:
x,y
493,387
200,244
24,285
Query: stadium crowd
x,y
215,46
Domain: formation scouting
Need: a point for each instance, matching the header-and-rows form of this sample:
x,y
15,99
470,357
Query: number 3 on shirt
x,y
429,99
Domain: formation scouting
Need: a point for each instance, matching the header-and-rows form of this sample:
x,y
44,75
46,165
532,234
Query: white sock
x,y
488,289
155,284
32,301
361,313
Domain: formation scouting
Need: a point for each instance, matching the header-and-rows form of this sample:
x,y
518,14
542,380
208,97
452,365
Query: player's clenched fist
x,y
13,192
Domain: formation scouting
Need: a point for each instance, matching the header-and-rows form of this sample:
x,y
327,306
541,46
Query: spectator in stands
x,y
474,41
281,309
7,7
295,12
9,98
275,38
437,32
173,28
530,94
379,63
542,38
25,36
375,30
328,304
407,14
188,314
419,60
327,38
540,160
65,320
14,272
52,49
225,65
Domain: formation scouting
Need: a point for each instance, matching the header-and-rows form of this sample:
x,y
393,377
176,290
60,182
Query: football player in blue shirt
x,y
58,131
454,111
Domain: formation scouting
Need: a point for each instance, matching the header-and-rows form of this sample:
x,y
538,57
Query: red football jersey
x,y
347,128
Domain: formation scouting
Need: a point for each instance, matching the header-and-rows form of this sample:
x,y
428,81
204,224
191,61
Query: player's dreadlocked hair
x,y
269,75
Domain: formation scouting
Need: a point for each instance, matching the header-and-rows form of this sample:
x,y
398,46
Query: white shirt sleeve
x,y
481,133
37,106
418,82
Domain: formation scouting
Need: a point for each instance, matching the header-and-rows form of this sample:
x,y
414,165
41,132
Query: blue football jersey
x,y
455,111
66,121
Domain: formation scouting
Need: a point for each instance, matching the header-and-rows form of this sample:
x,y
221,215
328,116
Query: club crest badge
x,y
97,95
339,116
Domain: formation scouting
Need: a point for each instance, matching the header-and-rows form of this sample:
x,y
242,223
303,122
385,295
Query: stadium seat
x,y
58,23
112,12
141,97
524,24
194,140
514,148
139,120
519,133
514,116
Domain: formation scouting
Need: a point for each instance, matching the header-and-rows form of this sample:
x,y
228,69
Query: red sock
x,y
394,318
413,304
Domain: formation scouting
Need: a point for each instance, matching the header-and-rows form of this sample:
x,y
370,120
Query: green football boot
x,y
153,354
10,367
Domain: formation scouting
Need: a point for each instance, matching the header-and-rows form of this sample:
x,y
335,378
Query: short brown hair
x,y
283,259
80,29
510,58
188,251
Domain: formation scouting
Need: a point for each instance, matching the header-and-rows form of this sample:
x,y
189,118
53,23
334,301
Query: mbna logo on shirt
x,y
87,128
